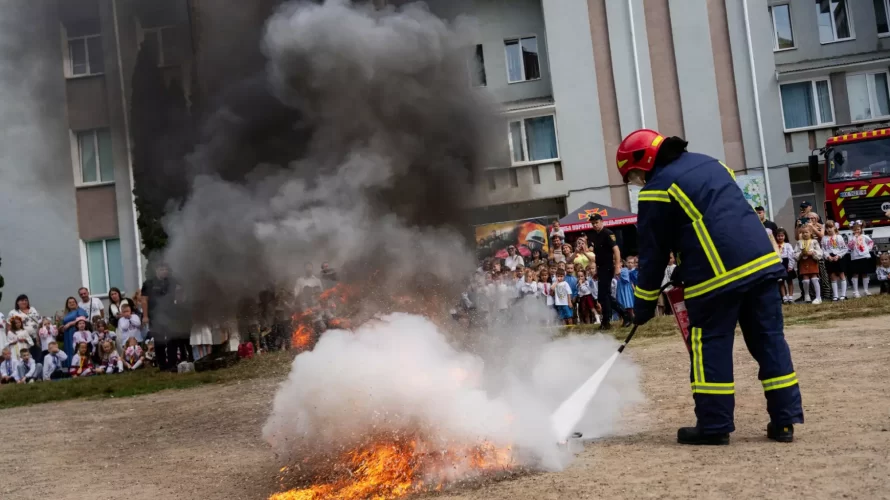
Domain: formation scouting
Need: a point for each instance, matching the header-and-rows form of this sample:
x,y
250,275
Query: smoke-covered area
x,y
358,146
399,376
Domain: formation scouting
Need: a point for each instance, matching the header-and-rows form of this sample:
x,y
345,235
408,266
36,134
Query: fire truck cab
x,y
856,173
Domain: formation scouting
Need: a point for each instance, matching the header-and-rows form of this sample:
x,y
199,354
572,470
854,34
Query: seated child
x,y
54,362
134,357
81,365
109,360
29,370
8,368
884,273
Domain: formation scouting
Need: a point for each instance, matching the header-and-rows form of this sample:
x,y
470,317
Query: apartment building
x,y
66,186
574,76
831,69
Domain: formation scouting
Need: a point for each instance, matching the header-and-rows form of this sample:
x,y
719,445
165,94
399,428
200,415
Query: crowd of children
x,y
822,253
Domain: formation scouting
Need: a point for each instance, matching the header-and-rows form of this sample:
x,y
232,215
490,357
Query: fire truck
x,y
856,167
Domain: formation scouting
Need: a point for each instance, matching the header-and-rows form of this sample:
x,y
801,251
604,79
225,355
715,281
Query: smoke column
x,y
358,146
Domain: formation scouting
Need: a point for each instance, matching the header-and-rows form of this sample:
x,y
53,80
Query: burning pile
x,y
395,468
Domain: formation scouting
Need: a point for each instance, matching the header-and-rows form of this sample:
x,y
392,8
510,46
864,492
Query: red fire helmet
x,y
637,151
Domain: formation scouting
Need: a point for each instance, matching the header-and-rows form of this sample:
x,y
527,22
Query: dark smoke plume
x,y
358,145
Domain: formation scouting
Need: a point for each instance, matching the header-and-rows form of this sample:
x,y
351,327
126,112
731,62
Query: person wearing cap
x,y
806,208
608,265
690,205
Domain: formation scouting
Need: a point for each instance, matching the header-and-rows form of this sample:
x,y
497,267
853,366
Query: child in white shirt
x,y
54,363
562,298
786,253
47,333
9,372
83,336
834,249
861,261
19,336
586,303
109,361
129,325
133,355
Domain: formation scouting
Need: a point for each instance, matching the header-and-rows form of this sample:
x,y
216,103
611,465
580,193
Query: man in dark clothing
x,y
772,226
159,306
608,265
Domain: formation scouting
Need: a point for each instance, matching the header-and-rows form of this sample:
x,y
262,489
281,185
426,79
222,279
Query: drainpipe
x,y
120,71
769,195
633,41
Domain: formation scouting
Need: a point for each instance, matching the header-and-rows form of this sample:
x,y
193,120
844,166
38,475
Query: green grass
x,y
269,365
277,365
795,314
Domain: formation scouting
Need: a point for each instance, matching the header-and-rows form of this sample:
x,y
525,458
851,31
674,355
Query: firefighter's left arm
x,y
654,224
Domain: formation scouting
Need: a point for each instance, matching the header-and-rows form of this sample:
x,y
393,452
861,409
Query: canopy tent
x,y
612,217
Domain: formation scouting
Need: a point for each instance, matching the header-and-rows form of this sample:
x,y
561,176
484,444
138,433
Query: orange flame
x,y
301,337
389,470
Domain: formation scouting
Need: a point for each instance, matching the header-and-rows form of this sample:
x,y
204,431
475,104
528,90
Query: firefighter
x,y
691,205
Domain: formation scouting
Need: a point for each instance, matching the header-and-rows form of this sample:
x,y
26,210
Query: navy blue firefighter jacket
x,y
694,208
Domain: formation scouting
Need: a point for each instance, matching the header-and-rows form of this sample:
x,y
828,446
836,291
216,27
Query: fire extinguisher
x,y
678,306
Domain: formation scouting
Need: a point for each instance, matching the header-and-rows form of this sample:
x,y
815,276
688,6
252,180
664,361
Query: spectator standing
x,y
158,311
69,325
582,255
30,322
115,300
47,333
625,295
308,287
883,272
662,308
557,255
562,297
17,334
608,264
834,250
786,253
513,259
772,226
201,340
92,305
128,326
862,263
808,254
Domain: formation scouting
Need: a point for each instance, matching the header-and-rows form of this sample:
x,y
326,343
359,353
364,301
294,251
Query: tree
x,y
162,133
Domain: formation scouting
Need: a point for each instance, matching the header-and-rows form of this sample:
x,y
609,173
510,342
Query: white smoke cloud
x,y
399,375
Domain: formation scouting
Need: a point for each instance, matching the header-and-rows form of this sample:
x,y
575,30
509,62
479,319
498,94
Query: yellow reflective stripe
x,y
713,388
704,238
698,367
736,274
779,382
654,195
657,140
649,295
731,171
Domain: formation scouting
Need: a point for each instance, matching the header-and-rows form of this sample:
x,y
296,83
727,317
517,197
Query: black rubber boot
x,y
783,434
693,436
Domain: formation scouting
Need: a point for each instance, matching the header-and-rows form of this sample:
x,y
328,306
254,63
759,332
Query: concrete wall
x,y
39,242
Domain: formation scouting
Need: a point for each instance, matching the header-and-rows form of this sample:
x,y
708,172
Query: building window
x,y
806,104
477,68
783,34
868,95
83,54
533,140
523,62
104,267
94,159
166,43
833,17
882,9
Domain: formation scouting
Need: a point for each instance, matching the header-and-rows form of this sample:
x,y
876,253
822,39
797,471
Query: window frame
x,y
519,40
159,30
872,94
524,138
472,68
69,59
85,265
886,19
77,157
772,17
834,26
812,82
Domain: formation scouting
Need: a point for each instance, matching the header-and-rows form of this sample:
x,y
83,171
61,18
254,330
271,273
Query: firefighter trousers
x,y
758,310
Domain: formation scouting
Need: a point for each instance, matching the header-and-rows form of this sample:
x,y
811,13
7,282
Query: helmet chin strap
x,y
636,178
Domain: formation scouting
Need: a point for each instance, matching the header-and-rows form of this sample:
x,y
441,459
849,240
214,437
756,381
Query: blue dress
x,y
625,290
68,337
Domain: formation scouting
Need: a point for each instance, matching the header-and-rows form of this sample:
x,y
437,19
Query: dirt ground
x,y
205,442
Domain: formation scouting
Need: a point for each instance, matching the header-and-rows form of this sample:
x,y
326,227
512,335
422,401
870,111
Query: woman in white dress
x,y
31,322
